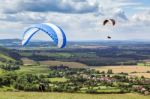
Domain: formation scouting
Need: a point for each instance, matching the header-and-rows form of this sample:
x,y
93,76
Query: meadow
x,y
40,95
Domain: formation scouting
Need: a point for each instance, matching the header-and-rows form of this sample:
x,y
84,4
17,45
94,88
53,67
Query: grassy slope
x,y
6,57
36,95
34,69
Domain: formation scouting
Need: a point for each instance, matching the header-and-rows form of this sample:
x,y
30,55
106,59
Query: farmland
x,y
89,53
136,71
125,69
57,63
38,95
83,70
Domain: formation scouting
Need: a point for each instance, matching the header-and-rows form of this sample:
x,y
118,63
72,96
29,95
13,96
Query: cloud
x,y
142,8
63,6
23,17
142,17
119,13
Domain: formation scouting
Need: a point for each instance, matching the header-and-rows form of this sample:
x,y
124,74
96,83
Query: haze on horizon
x,y
80,19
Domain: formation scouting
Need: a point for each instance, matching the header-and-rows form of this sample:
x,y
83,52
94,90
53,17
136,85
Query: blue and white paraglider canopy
x,y
55,32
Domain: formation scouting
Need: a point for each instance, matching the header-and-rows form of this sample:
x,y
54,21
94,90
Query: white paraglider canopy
x,y
55,32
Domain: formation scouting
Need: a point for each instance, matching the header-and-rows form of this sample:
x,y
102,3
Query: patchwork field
x,y
32,67
36,95
69,64
125,69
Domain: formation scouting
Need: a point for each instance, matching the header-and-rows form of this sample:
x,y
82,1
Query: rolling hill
x,y
8,55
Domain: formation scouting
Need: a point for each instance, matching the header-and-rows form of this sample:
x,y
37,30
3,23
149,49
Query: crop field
x,y
38,95
69,64
125,69
131,70
29,62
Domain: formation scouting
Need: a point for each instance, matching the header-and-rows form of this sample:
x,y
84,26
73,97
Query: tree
x,y
109,71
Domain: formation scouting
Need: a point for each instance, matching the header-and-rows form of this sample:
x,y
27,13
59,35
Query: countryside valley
x,y
88,68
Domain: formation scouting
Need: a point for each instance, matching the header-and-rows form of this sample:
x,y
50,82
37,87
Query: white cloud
x,y
142,17
62,6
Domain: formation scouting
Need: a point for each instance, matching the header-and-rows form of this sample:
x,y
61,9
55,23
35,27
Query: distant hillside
x,y
8,55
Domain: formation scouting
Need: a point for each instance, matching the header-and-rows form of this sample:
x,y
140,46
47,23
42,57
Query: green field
x,y
39,69
57,63
58,79
36,95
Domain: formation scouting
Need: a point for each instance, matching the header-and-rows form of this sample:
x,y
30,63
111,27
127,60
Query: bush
x,y
109,71
31,87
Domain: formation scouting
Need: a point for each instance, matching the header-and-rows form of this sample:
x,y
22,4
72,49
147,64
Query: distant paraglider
x,y
112,21
55,32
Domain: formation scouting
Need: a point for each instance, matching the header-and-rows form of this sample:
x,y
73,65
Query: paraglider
x,y
112,21
56,33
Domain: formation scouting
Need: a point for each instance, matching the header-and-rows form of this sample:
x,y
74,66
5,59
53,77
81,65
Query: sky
x,y
81,20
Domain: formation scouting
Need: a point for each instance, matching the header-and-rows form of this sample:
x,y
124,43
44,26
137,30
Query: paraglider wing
x,y
55,32
105,21
109,20
113,21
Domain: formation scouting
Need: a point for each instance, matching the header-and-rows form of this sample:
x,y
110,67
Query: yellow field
x,y
69,64
37,95
125,69
141,70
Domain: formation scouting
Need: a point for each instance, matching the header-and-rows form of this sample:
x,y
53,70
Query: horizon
x,y
37,40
